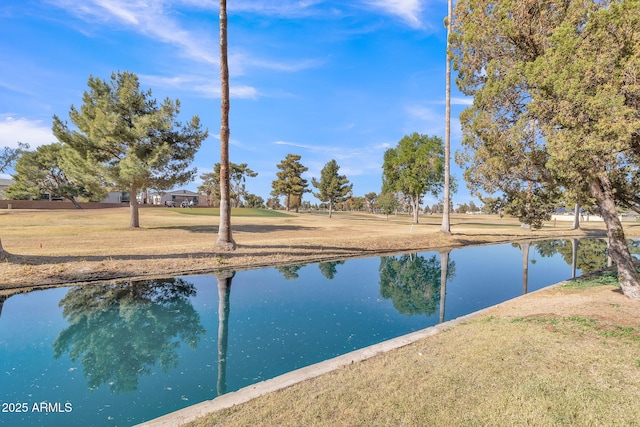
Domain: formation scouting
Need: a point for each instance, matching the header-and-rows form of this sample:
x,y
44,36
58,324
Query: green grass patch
x,y
237,212
609,278
584,325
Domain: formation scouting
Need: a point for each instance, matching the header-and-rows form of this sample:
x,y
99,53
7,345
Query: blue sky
x,y
324,79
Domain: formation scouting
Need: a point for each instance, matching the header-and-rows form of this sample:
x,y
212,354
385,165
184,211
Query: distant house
x,y
116,197
177,197
4,183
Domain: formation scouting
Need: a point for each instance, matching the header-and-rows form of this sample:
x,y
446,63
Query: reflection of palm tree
x,y
3,298
328,269
412,282
120,331
224,290
444,263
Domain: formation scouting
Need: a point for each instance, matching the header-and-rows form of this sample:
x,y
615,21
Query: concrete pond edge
x,y
243,395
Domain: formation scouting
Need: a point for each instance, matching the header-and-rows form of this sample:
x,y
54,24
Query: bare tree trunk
x,y
3,254
576,217
416,209
225,238
330,208
446,214
618,250
75,202
133,204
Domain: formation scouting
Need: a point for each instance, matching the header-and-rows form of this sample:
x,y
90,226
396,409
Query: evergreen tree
x,y
290,183
127,140
333,188
556,104
43,171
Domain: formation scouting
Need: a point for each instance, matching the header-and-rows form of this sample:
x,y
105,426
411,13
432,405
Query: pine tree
x,y
332,187
290,183
126,140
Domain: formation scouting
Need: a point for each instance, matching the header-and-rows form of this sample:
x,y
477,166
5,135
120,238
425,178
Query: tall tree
x,y
572,69
43,171
237,175
225,236
128,140
332,188
413,168
8,156
290,183
387,203
446,214
211,185
370,200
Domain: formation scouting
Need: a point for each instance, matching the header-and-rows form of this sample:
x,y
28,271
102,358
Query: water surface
x,y
123,353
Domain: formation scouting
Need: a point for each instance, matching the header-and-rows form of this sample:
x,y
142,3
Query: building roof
x,y
182,193
5,182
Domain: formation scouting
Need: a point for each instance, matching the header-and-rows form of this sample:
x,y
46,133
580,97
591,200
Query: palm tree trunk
x,y
225,238
446,214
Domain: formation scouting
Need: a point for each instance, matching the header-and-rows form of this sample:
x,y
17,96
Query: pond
x,y
126,352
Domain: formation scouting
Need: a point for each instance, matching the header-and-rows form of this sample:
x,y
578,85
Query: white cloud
x,y
461,101
200,85
275,7
408,10
148,18
32,132
295,144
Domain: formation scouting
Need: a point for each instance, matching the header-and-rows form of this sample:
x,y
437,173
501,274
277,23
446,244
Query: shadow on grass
x,y
254,251
475,238
247,228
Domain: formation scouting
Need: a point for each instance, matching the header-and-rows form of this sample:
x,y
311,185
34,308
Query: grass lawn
x,y
235,212
567,356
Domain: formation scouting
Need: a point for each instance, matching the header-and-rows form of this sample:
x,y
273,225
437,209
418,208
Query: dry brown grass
x,y
529,362
54,247
559,357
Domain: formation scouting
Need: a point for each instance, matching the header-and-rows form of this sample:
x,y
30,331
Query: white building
x,y
177,197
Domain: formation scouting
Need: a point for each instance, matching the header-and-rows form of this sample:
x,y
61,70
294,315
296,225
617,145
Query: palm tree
x,y
225,238
446,215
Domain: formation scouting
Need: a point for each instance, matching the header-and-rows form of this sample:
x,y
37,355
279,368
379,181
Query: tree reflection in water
x,y
120,331
588,255
329,268
290,272
224,291
412,282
